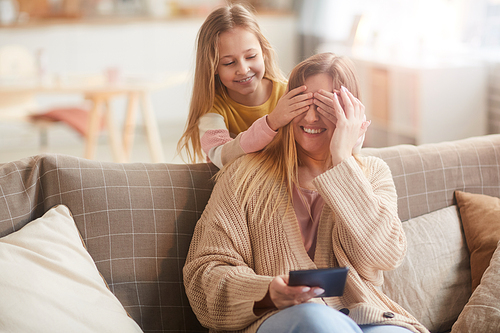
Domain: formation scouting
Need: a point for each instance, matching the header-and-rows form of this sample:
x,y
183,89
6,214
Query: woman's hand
x,y
284,296
348,115
289,106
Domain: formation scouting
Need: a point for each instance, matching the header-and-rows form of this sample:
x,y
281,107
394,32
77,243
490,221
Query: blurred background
x,y
429,69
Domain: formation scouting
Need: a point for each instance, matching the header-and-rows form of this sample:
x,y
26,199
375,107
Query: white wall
x,y
145,47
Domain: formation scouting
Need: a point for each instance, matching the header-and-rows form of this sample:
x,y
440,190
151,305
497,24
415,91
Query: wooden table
x,y
100,93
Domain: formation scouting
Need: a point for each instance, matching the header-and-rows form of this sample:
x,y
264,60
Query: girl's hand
x,y
289,106
284,296
348,115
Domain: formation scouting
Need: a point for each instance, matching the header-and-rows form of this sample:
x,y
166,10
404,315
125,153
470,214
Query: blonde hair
x,y
206,85
275,168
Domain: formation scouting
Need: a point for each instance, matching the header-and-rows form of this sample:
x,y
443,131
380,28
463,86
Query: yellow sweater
x,y
233,257
239,117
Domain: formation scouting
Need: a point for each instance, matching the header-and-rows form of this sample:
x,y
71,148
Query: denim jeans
x,y
318,318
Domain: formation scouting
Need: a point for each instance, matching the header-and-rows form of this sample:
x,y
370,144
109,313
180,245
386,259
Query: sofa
x,y
135,222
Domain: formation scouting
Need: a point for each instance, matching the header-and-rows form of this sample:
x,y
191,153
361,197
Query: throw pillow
x,y
433,281
482,312
49,282
480,216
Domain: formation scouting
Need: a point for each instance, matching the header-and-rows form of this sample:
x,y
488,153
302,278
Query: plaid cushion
x,y
426,176
136,220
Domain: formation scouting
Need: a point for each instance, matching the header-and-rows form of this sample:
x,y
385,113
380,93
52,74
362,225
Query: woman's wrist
x,y
338,157
263,305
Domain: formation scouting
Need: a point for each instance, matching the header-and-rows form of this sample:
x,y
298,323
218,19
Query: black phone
x,y
332,280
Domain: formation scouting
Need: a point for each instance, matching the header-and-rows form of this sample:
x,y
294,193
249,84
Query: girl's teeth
x,y
245,80
312,131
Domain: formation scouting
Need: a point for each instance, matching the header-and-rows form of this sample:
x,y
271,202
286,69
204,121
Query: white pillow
x,y
433,283
49,282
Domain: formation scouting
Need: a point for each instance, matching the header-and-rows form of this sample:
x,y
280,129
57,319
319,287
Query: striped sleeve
x,y
257,137
220,148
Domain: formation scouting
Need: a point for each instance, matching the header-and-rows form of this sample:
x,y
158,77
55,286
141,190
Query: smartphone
x,y
332,280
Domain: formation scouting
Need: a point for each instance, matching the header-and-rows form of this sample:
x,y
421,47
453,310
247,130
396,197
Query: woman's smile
x,y
310,130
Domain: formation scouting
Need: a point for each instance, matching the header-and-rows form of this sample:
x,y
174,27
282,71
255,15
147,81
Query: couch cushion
x,y
480,216
49,282
136,220
433,282
427,176
482,312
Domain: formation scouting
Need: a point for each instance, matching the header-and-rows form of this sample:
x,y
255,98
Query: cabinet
x,y
419,104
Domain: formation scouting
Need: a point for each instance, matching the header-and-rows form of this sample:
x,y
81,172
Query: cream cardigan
x,y
234,256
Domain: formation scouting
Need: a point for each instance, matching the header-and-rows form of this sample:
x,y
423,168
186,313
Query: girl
x,y
237,84
304,202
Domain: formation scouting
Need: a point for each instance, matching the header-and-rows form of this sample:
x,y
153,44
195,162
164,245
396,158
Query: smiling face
x,y
312,131
241,65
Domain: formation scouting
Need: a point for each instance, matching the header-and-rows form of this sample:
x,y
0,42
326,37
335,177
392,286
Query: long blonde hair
x,y
206,84
275,168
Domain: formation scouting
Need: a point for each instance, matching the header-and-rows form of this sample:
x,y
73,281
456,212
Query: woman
x,y
304,202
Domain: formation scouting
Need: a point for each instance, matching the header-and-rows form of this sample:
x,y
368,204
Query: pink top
x,y
308,205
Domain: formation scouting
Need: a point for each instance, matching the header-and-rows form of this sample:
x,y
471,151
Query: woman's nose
x,y
312,115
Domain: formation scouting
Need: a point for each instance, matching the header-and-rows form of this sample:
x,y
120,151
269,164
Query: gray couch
x,y
142,215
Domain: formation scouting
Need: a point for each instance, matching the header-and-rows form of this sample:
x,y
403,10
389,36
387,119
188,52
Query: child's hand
x,y
289,106
348,115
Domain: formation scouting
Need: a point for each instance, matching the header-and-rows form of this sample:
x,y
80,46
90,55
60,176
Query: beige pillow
x,y
482,312
433,282
480,216
49,282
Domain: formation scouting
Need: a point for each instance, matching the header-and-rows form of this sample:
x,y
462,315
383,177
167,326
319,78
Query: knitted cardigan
x,y
236,251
